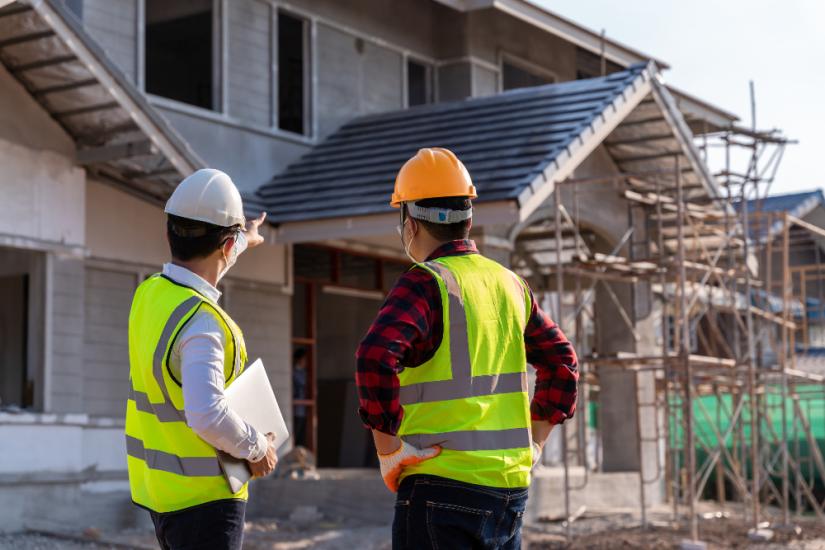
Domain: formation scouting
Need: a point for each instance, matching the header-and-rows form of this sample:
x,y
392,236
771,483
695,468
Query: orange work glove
x,y
393,464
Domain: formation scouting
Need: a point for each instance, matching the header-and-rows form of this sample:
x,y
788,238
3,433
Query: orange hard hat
x,y
433,172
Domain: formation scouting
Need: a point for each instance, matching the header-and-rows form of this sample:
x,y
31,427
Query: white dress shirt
x,y
197,360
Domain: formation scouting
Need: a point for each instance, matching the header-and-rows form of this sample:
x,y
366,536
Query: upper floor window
x,y
181,41
419,83
293,47
522,75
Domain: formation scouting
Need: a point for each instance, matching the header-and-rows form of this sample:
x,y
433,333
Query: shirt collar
x,y
461,247
183,276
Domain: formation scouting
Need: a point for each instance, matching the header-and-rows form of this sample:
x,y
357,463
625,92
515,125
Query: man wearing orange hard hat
x,y
442,373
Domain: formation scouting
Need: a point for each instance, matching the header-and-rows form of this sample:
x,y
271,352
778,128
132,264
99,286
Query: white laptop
x,y
252,398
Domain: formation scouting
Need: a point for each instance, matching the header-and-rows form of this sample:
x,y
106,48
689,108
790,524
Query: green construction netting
x,y
712,422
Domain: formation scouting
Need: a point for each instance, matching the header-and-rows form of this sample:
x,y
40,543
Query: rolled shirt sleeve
x,y
556,364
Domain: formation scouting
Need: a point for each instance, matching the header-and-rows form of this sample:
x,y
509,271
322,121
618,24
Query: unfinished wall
x,y
250,61
67,350
108,298
263,313
42,192
355,77
113,23
251,156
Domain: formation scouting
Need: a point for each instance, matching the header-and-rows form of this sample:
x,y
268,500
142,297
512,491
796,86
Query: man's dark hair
x,y
299,354
191,239
447,232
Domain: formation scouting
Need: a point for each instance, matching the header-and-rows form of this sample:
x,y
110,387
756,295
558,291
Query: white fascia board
x,y
702,110
484,213
185,161
574,33
585,143
674,118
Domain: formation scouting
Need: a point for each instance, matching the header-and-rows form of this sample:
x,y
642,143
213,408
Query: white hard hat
x,y
208,196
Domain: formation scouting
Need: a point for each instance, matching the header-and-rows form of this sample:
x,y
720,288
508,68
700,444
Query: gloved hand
x,y
537,450
393,464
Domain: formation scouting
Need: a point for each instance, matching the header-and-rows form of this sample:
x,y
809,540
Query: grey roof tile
x,y
505,141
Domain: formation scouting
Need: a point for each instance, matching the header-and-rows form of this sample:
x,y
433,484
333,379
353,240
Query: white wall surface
x,y
41,195
80,443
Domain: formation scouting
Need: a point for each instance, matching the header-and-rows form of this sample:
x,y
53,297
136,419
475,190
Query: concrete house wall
x,y
358,52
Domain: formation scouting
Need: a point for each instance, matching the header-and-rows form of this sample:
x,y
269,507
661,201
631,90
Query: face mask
x,y
408,244
231,259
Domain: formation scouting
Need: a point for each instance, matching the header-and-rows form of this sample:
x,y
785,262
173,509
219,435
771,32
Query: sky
x,y
714,47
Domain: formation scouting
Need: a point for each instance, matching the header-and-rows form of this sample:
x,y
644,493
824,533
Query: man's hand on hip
x,y
393,464
266,465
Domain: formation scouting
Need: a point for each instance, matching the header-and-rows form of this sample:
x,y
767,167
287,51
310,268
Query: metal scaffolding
x,y
728,414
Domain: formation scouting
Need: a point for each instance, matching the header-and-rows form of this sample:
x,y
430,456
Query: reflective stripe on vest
x,y
195,466
166,408
463,384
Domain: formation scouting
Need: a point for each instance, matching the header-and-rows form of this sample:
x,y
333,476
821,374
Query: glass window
x,y
180,49
313,263
514,76
292,73
419,83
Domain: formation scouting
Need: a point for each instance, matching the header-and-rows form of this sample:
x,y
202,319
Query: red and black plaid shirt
x,y
408,331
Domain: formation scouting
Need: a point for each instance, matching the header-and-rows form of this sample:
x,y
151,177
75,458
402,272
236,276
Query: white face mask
x,y
406,245
237,247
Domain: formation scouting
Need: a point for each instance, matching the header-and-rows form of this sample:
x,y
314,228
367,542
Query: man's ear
x,y
227,246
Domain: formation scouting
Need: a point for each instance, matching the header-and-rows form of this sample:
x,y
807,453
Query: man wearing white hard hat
x,y
184,350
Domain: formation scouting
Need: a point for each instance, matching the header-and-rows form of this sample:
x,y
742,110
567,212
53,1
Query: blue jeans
x,y
438,513
212,526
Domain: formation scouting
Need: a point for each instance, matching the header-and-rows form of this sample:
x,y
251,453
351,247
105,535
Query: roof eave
x,y
674,117
91,55
560,26
692,106
504,212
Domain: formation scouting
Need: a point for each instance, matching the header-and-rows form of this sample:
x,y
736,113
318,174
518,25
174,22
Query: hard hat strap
x,y
438,215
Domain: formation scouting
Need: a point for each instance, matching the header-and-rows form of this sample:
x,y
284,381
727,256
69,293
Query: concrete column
x,y
64,325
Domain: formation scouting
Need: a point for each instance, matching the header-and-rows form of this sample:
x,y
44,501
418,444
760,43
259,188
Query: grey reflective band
x,y
463,384
163,343
477,386
165,412
195,466
474,440
438,215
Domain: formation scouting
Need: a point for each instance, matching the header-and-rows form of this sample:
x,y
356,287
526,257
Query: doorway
x,y
337,296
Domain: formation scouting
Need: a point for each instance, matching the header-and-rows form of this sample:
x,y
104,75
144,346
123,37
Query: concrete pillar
x,y
65,319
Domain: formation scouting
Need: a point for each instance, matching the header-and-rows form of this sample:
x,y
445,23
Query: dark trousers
x,y
212,526
433,512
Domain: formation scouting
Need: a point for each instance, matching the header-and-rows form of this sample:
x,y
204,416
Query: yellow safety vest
x,y
170,467
471,397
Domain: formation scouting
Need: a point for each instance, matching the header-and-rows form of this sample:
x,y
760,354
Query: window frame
x,y
308,39
219,59
430,69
